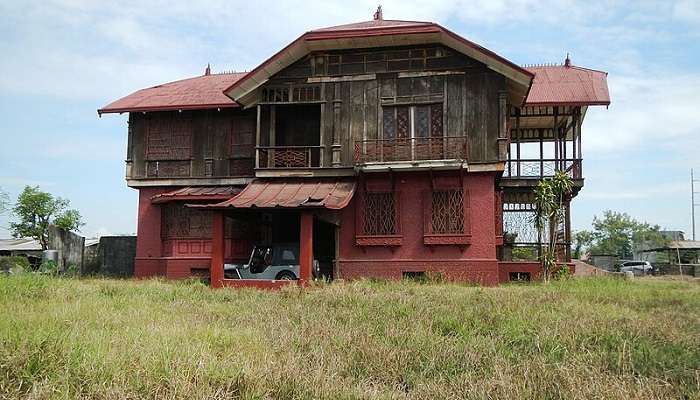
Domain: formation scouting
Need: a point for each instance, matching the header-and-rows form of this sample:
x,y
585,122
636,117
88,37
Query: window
x,y
379,214
288,257
417,121
446,219
447,212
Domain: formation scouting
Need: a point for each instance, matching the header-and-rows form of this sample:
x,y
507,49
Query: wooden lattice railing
x,y
411,149
289,156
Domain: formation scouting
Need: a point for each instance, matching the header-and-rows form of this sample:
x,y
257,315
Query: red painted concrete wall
x,y
173,258
148,241
506,267
474,262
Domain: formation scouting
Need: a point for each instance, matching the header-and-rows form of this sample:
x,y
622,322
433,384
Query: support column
x,y
336,147
216,269
567,233
306,246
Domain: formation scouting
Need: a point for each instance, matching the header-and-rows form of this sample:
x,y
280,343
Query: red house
x,y
383,148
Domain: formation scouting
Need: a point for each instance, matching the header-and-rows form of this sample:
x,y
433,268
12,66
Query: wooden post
x,y
257,138
555,133
517,144
216,268
306,246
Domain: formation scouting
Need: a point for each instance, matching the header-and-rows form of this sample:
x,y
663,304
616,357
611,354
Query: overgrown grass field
x,y
575,339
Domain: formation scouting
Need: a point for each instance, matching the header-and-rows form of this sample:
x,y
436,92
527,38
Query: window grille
x,y
379,214
447,212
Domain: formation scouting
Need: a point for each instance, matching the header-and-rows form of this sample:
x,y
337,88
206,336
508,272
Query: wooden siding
x,y
359,84
191,144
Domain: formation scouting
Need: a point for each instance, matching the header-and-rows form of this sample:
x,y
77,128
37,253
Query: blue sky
x,y
63,59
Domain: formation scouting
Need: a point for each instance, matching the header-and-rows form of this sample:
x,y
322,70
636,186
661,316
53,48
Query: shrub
x,y
14,263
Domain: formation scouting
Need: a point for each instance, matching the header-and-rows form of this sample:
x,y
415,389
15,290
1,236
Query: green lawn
x,y
589,338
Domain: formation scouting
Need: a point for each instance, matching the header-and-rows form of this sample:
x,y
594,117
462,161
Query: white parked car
x,y
638,267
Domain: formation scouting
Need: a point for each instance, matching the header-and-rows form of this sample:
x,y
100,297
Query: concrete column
x,y
216,269
306,246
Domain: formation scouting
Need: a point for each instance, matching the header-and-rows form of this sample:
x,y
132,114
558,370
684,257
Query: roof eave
x,y
567,103
121,110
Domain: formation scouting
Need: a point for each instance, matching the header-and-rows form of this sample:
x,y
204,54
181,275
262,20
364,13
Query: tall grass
x,y
577,339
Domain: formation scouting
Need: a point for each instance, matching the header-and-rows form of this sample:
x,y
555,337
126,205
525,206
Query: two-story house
x,y
382,148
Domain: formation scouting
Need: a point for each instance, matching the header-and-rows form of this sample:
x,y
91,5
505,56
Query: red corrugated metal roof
x,y
569,85
330,193
377,23
206,91
197,193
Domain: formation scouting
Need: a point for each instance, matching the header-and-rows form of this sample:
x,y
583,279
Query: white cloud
x,y
646,110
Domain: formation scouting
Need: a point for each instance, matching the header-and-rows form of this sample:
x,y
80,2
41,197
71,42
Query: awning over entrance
x,y
332,194
197,193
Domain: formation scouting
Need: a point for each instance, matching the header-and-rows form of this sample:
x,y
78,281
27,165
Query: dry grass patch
x,y
578,339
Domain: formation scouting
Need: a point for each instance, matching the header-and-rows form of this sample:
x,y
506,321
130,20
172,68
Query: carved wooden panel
x,y
168,169
360,61
169,137
178,222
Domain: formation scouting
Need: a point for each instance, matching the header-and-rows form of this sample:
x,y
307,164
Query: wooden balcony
x,y
415,150
289,157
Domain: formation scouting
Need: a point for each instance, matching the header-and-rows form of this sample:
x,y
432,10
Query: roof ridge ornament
x,y
378,14
207,71
567,61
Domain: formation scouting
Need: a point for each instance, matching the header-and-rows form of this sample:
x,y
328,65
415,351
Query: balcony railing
x,y
289,156
411,149
542,168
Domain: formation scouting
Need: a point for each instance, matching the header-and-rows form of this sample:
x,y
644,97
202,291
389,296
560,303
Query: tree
x,y
619,234
36,210
582,239
550,198
4,202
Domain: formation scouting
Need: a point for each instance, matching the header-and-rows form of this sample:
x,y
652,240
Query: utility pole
x,y
692,200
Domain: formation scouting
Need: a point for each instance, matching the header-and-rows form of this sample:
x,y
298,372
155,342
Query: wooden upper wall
x,y
359,84
351,88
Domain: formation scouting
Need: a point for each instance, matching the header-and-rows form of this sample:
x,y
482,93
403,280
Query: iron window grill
x,y
447,212
379,214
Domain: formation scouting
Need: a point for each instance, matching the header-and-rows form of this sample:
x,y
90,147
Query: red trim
x,y
256,283
166,199
379,240
569,103
370,32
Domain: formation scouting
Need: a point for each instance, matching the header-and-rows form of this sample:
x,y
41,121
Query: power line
x,y
692,200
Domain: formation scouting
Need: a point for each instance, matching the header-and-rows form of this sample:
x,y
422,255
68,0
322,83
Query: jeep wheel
x,y
285,276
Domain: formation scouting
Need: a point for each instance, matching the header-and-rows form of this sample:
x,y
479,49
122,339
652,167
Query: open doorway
x,y
325,248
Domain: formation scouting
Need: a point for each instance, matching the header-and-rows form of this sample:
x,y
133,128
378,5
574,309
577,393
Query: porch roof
x,y
330,193
568,85
197,193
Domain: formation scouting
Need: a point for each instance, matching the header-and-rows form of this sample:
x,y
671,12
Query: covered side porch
x,y
301,213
